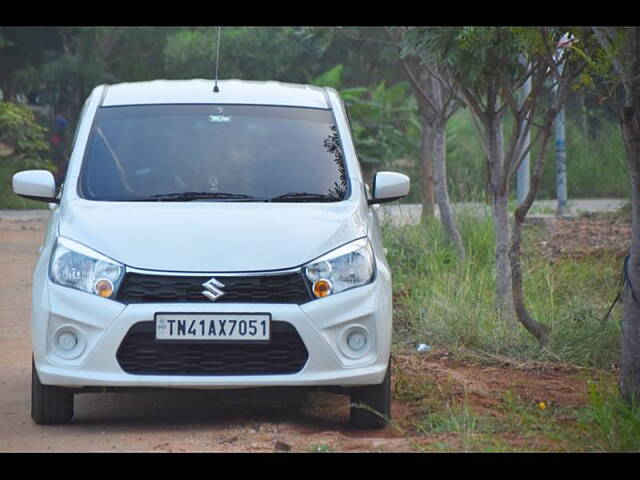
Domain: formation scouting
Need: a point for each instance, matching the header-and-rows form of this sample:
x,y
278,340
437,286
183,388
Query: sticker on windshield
x,y
219,118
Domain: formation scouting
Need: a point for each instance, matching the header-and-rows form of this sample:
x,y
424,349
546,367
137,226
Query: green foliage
x,y
466,170
596,166
23,145
251,53
366,53
190,53
331,78
474,56
22,136
317,39
385,124
67,62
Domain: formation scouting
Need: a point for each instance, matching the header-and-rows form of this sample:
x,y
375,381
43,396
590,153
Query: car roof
x,y
201,91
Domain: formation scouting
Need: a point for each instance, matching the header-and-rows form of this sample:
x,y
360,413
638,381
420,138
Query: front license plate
x,y
213,326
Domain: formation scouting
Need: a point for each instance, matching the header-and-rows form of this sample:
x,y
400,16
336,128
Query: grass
x,y
449,305
459,419
610,424
439,301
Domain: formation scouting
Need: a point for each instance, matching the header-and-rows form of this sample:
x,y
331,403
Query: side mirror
x,y
389,186
36,185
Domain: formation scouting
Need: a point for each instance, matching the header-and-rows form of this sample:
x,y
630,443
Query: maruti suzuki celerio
x,y
212,240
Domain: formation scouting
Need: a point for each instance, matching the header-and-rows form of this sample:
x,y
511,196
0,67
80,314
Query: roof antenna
x,y
215,86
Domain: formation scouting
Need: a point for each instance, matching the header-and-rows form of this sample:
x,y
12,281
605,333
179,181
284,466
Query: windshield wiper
x,y
304,197
187,196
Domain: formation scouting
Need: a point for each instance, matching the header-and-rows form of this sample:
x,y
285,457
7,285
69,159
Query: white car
x,y
212,240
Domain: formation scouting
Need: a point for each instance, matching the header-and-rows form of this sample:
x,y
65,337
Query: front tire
x,y
371,405
49,405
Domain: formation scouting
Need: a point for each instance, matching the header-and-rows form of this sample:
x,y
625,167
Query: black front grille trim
x,y
276,288
140,354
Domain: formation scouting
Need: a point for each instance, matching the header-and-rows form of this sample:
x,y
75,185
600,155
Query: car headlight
x,y
76,266
346,267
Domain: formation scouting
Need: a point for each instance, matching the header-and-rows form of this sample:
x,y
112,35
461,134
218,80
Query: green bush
x,y
23,146
22,137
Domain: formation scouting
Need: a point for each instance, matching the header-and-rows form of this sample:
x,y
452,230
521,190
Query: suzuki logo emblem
x,y
213,291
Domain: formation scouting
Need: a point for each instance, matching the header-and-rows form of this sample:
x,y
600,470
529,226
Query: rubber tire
x,y
376,397
49,405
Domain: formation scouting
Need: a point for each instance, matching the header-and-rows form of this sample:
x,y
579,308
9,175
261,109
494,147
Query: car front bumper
x,y
102,324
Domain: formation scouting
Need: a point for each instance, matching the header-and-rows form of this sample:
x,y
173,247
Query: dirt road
x,y
250,421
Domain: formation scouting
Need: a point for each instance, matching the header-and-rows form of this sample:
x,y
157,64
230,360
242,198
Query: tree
x,y
487,66
60,65
438,101
23,48
250,53
621,47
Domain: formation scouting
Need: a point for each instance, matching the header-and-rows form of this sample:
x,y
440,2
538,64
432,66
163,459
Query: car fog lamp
x,y
67,341
357,340
321,288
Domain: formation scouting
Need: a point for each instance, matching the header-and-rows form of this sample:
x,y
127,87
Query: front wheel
x,y
371,405
49,405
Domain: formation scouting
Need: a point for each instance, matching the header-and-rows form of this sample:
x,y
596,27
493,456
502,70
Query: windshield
x,y
213,153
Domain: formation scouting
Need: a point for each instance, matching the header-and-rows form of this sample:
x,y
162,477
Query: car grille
x,y
278,288
140,354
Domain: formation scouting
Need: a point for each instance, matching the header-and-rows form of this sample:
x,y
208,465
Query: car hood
x,y
212,236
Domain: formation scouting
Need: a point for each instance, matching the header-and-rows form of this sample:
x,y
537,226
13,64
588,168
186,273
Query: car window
x,y
250,152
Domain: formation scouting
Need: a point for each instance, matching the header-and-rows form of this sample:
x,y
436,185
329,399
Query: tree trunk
x,y
441,190
537,329
426,163
630,339
500,205
504,301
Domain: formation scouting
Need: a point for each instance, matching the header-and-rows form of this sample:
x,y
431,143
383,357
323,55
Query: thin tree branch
x,y
417,85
